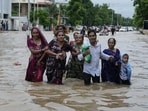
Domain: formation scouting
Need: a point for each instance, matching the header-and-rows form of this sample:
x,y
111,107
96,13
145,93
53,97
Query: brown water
x,y
17,94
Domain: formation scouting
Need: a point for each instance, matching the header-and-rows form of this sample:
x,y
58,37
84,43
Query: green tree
x,y
52,14
105,14
46,16
141,14
74,9
87,13
79,12
42,15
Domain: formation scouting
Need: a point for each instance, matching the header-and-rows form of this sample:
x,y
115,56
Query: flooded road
x,y
17,94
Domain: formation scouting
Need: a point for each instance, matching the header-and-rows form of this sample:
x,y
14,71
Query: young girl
x,y
125,73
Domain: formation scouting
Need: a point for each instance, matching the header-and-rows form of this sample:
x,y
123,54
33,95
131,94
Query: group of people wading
x,y
84,60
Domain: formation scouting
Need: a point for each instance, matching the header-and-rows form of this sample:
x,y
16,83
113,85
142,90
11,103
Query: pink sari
x,y
34,71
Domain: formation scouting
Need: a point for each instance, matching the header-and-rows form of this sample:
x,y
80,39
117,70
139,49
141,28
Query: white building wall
x,y
5,8
61,1
15,23
26,1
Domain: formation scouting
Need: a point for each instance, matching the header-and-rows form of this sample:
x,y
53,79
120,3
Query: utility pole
x,y
112,18
28,14
117,20
37,22
19,14
59,14
34,11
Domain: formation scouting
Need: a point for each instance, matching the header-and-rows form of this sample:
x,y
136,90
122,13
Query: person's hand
x,y
75,53
45,48
58,55
123,65
86,52
111,58
38,62
64,54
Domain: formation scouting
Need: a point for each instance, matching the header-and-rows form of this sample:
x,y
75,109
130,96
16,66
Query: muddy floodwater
x,y
16,94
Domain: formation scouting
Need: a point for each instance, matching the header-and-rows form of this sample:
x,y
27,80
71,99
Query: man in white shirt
x,y
91,69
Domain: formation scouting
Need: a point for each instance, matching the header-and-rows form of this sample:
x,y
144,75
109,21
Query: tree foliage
x,y
141,7
46,16
84,12
80,12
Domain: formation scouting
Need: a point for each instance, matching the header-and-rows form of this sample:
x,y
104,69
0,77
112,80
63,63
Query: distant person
x,y
6,25
111,69
62,28
75,67
113,30
0,27
91,68
3,25
83,31
75,35
37,44
125,74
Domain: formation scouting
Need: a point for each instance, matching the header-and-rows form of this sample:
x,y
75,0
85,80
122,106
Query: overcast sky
x,y
124,7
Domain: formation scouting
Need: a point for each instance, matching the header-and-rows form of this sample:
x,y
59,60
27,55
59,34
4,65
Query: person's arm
x,y
32,49
106,57
75,53
41,58
43,55
35,51
49,52
30,46
83,54
129,71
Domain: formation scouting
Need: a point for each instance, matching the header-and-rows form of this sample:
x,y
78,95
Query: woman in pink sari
x,y
37,44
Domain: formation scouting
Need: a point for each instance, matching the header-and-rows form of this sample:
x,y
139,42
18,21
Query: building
x,y
21,11
17,12
5,11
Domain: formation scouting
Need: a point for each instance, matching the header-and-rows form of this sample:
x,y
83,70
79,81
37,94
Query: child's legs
x,y
87,78
129,76
126,82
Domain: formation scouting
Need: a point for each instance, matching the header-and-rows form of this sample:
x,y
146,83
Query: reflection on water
x,y
80,97
16,93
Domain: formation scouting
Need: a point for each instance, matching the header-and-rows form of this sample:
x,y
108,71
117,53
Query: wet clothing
x,y
92,68
82,31
87,78
74,67
111,69
55,68
35,72
125,74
